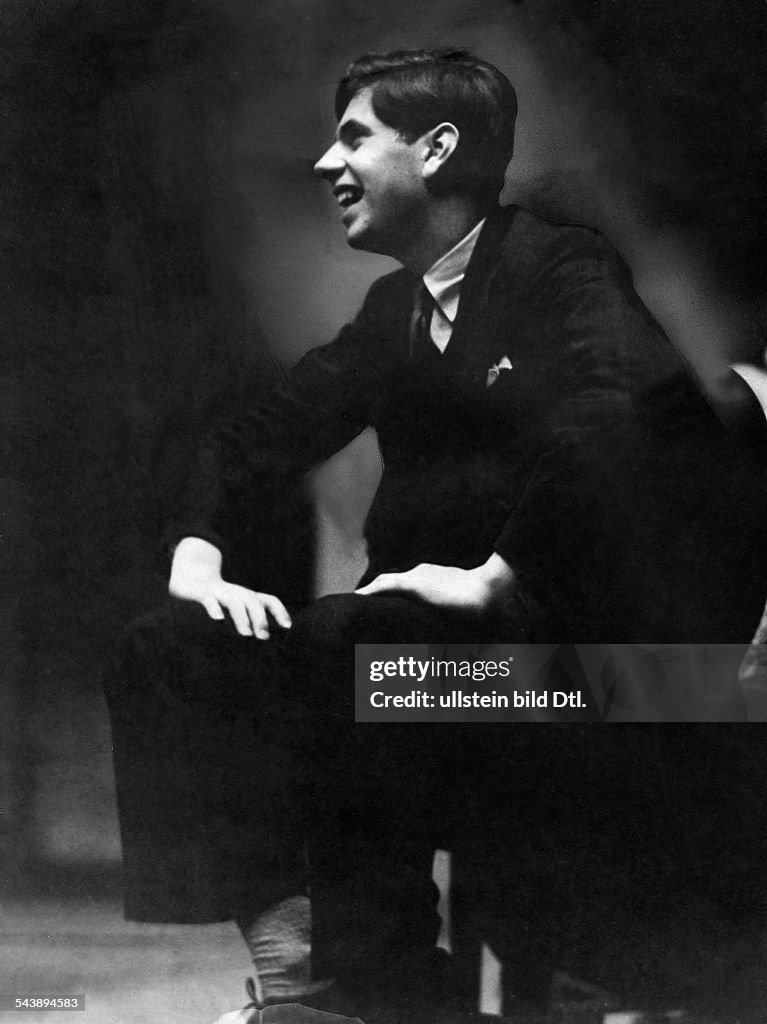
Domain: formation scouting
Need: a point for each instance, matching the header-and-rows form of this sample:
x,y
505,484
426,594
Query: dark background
x,y
164,243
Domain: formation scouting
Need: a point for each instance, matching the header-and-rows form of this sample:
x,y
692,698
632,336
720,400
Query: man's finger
x,y
384,583
254,606
213,608
277,610
240,617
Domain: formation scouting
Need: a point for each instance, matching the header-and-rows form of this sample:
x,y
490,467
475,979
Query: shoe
x,y
422,993
286,1013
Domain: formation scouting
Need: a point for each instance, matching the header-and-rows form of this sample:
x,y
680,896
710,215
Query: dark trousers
x,y
234,757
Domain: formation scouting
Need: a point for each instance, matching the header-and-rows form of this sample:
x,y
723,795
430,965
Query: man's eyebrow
x,y
351,130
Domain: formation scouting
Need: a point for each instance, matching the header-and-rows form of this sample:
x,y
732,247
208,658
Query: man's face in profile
x,y
376,179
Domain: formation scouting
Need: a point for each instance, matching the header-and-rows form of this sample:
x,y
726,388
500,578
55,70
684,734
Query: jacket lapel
x,y
471,351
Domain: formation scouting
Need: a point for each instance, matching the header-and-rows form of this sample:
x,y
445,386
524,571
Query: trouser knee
x,y
335,623
178,653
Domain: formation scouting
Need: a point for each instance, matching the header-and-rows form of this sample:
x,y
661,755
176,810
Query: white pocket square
x,y
495,370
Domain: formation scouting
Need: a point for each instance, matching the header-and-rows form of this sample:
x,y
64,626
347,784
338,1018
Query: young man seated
x,y
550,473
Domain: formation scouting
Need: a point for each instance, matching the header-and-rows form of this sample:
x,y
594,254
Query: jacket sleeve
x,y
635,505
249,461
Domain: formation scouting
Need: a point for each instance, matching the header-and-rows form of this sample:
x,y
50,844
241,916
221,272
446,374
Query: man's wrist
x,y
496,577
195,561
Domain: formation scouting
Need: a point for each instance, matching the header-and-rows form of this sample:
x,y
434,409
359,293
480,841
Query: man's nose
x,y
330,165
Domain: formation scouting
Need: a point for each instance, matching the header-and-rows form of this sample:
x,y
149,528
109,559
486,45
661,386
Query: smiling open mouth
x,y
347,195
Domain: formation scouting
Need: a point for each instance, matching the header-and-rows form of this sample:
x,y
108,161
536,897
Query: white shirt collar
x,y
445,277
756,378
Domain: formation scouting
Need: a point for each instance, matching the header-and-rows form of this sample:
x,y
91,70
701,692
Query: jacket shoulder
x,y
529,243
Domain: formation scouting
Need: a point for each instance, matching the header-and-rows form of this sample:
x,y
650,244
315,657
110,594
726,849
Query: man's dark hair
x,y
414,90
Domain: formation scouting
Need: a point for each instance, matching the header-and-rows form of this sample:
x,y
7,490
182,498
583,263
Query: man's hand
x,y
444,586
196,576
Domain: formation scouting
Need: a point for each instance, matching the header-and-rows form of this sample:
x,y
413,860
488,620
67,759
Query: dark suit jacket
x,y
594,466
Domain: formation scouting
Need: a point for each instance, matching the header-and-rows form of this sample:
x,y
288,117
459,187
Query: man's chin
x,y
358,241
359,237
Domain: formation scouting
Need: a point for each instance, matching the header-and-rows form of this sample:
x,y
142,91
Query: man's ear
x,y
441,143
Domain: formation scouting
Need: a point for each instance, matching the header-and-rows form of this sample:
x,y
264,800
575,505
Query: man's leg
x,y
206,819
210,829
374,797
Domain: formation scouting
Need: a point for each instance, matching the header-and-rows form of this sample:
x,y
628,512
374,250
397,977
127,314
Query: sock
x,y
279,944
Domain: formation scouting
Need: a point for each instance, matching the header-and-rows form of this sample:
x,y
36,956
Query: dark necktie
x,y
420,324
